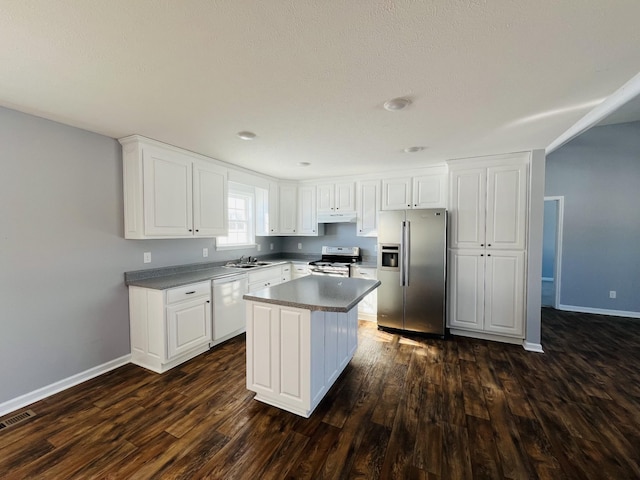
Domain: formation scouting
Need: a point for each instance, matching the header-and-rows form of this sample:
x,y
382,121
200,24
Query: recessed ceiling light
x,y
396,104
247,135
303,164
413,149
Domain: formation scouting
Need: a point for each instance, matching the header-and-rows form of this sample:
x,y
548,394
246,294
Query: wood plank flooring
x,y
406,407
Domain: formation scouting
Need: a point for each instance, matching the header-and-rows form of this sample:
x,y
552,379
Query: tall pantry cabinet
x,y
487,246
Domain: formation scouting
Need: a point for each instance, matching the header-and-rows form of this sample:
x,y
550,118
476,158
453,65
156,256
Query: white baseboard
x,y
532,347
44,392
547,279
598,311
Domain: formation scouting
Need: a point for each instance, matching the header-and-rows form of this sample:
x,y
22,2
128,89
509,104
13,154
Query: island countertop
x,y
328,294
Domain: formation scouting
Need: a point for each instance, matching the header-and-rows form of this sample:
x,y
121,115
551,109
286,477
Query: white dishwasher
x,y
228,307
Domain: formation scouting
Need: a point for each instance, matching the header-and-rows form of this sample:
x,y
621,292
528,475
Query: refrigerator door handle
x,y
401,253
407,249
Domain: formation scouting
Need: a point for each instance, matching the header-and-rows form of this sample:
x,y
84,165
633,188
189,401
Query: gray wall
x,y
599,175
549,238
335,235
63,302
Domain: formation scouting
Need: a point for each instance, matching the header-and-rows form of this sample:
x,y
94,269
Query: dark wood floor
x,y
404,408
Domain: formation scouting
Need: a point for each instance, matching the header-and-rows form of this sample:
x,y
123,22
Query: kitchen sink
x,y
247,265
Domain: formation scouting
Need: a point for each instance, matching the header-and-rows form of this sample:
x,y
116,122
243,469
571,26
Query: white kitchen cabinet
x,y
267,210
368,307
430,191
307,212
336,197
396,193
488,205
288,209
171,193
265,277
486,291
169,327
286,273
299,270
367,206
295,355
427,190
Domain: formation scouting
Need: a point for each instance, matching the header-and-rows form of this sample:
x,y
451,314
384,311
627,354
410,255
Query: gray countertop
x,y
329,294
170,277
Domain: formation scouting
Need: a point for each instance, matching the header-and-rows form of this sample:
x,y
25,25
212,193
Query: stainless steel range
x,y
335,261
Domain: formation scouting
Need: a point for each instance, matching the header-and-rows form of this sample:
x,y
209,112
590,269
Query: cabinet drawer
x,y
188,292
264,274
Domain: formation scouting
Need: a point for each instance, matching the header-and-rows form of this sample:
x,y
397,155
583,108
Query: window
x,y
241,218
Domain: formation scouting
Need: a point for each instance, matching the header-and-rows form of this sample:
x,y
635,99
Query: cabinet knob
x,y
190,230
416,205
208,301
482,254
197,230
488,244
488,254
482,244
409,205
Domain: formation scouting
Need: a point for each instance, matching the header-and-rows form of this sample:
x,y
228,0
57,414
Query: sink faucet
x,y
242,260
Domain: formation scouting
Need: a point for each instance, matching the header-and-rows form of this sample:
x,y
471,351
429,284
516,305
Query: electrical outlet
x,y
271,246
259,247
612,294
147,257
205,252
299,246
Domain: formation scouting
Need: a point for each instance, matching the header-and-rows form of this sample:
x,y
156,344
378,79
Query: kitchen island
x,y
300,337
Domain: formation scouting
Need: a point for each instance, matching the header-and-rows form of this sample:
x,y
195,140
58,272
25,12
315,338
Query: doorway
x,y
552,251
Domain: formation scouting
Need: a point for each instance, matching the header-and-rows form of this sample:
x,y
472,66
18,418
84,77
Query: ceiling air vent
x,y
16,419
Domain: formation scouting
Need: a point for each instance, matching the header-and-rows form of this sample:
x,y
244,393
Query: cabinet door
x,y
325,197
288,196
504,293
506,206
274,209
430,191
263,345
468,208
209,200
367,208
189,326
307,214
368,306
396,193
344,197
168,198
466,289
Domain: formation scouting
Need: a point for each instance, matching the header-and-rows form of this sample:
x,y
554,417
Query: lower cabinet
x,y
299,270
268,277
486,292
169,327
368,307
295,355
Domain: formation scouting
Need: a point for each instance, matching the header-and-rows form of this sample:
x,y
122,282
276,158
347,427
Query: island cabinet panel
x,y
294,355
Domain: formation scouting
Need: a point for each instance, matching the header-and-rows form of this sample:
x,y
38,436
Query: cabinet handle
x,y
488,244
190,230
488,254
189,293
208,301
482,254
197,230
409,205
482,244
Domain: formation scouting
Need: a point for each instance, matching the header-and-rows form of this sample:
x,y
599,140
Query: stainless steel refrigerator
x,y
412,252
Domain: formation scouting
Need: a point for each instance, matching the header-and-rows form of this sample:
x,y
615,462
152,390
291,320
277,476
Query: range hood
x,y
333,217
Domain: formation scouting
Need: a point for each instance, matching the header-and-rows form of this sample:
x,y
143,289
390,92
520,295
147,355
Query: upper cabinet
x,y
336,197
170,193
367,205
267,210
427,190
288,211
489,204
307,213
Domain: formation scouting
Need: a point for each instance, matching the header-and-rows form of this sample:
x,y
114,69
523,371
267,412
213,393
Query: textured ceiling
x,y
309,78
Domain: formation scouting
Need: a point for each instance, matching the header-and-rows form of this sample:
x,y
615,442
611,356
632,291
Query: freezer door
x,y
390,292
424,293
390,299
